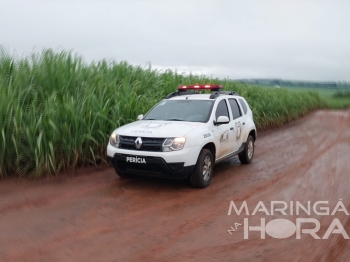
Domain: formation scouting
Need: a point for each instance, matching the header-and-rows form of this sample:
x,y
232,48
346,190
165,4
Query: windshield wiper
x,y
174,119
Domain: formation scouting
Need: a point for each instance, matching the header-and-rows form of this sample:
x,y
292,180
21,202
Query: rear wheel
x,y
247,155
203,172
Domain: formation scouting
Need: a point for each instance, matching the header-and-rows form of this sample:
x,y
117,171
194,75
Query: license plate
x,y
136,159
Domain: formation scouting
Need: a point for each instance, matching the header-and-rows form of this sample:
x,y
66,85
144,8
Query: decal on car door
x,y
238,128
224,136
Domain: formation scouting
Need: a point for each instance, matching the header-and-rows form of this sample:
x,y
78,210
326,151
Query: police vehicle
x,y
185,135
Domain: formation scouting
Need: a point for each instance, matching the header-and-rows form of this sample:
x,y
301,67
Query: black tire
x,y
200,177
247,156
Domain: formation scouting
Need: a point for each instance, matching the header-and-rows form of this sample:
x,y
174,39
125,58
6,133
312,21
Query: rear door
x,y
238,124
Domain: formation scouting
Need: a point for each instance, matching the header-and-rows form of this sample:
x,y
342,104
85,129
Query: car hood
x,y
152,128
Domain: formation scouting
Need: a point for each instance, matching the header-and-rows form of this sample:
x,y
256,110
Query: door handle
x,y
232,128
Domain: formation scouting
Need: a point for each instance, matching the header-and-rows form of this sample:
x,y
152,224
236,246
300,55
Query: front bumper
x,y
156,167
187,155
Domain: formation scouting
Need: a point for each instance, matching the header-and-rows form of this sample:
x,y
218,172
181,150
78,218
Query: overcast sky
x,y
299,39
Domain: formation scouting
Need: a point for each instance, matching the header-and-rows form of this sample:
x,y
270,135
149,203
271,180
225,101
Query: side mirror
x,y
222,120
139,117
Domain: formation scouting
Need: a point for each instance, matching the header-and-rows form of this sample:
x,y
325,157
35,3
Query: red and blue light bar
x,y
201,87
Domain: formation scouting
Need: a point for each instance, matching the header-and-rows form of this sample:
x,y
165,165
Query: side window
x,y
222,110
244,105
236,111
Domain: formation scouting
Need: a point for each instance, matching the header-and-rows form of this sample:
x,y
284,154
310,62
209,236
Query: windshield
x,y
181,110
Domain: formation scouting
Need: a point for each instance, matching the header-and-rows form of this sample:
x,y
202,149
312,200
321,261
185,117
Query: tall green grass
x,y
336,98
57,112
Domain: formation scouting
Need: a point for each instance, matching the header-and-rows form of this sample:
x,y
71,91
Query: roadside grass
x,y
338,102
57,112
335,98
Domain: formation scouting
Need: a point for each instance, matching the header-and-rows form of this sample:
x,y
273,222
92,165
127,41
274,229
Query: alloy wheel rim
x,y
206,168
250,149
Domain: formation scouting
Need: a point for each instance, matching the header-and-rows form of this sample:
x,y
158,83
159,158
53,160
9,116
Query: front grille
x,y
148,143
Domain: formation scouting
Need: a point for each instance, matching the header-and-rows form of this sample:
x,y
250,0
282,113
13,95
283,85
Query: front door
x,y
222,132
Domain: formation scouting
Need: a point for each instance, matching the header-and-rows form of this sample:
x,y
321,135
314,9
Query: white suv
x,y
184,135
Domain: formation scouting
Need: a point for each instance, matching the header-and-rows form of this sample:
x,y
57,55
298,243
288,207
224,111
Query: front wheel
x,y
247,155
203,172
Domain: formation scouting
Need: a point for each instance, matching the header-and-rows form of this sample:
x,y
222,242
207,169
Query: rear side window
x,y
236,111
221,110
244,105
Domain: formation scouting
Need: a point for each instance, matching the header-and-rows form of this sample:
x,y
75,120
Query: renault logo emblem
x,y
138,143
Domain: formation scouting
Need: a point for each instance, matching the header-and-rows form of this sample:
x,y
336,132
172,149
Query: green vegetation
x,y
57,112
329,85
336,93
335,98
338,103
341,94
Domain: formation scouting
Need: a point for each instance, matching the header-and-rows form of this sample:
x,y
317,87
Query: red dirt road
x,y
95,216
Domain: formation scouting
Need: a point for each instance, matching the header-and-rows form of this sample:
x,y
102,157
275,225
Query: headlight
x,y
114,139
173,144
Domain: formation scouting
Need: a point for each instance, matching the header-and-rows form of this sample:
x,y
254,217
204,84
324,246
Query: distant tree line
x,y
295,83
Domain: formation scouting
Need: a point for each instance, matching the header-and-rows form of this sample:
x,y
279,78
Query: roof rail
x,y
217,93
